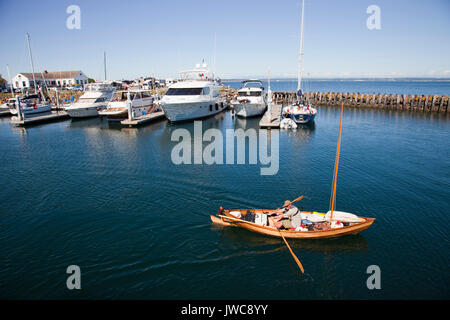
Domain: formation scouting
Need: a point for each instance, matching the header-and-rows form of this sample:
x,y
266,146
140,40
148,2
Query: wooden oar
x,y
298,199
287,244
293,254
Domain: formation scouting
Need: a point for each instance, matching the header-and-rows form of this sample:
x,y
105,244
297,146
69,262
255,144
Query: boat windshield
x,y
253,83
249,93
184,91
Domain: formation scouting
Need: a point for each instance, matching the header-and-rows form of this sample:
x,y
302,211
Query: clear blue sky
x,y
165,37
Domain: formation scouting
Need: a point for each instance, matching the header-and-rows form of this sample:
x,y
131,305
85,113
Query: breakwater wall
x,y
420,103
430,103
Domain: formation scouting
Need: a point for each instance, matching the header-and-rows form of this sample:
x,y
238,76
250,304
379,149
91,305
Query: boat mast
x,y
336,165
10,82
31,62
269,100
301,50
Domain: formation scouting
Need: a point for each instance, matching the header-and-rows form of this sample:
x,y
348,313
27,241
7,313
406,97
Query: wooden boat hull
x,y
291,234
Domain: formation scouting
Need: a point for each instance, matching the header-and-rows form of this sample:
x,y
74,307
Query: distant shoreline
x,y
345,79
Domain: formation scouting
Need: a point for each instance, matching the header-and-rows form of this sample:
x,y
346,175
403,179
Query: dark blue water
x,y
111,201
384,86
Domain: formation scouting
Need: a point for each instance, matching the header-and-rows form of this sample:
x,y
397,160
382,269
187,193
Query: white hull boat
x,y
251,100
95,98
301,112
186,110
195,96
142,103
33,109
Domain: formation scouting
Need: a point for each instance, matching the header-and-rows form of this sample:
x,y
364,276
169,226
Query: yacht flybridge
x,y
195,96
251,100
95,98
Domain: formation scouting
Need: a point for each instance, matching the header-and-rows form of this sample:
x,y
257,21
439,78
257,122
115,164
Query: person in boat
x,y
289,216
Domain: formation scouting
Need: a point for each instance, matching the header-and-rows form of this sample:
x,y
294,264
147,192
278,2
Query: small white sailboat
x,y
32,104
301,111
195,96
251,99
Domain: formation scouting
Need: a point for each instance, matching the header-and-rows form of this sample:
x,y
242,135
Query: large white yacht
x,y
142,103
251,100
95,98
195,96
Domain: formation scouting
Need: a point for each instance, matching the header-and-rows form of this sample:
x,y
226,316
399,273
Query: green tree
x,y
2,82
90,80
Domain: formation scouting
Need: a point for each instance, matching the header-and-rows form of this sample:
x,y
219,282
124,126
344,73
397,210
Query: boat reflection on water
x,y
350,243
80,123
246,123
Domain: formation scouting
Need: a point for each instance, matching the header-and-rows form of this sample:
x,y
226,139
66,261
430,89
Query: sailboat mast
x,y
336,165
10,81
301,49
31,62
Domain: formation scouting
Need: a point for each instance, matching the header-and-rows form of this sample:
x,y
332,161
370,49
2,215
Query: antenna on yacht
x,y
104,62
214,60
31,62
301,54
269,100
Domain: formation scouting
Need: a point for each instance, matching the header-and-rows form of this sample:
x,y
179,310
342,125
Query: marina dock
x,y
49,117
143,119
271,118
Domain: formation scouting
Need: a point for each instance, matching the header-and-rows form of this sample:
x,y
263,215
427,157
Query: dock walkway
x,y
53,116
271,119
143,119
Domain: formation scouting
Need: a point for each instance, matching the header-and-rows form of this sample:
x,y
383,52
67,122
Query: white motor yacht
x,y
95,98
251,99
142,103
195,96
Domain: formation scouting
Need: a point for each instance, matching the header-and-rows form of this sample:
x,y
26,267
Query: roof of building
x,y
52,75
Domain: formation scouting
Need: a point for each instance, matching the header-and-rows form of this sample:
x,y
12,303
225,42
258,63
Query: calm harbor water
x,y
109,200
371,86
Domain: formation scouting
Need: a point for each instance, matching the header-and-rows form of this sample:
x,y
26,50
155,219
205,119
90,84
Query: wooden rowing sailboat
x,y
348,223
228,219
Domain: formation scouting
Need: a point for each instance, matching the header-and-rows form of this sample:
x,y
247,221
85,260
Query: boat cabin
x,y
251,88
134,95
